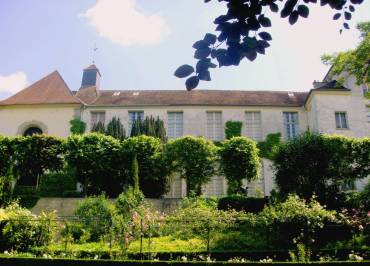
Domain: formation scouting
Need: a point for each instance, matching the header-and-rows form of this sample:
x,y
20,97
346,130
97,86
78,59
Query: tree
x,y
233,129
98,162
355,62
115,129
242,33
239,160
149,127
98,128
153,170
77,126
34,155
321,165
5,170
194,159
135,173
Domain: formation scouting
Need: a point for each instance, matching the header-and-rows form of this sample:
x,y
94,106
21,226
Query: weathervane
x,y
94,53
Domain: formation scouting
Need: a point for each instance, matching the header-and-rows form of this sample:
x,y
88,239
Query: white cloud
x,y
13,83
122,23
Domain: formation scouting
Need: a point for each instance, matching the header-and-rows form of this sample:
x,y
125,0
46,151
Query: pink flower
x,y
360,227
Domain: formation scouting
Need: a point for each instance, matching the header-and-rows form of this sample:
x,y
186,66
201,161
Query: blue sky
x,y
141,42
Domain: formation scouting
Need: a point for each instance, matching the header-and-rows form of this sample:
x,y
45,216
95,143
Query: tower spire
x,y
94,53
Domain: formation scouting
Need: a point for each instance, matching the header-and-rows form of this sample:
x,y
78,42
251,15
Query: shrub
x,y
153,169
199,218
128,201
269,146
194,158
315,164
77,126
242,203
34,155
233,129
239,160
23,230
55,184
295,221
26,196
98,163
96,214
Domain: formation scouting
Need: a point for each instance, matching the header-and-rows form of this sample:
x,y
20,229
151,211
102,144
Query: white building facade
x,y
48,105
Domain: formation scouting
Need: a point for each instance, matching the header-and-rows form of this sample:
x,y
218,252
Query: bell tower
x,y
91,77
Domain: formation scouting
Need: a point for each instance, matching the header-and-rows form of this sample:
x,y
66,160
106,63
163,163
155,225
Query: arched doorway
x,y
32,131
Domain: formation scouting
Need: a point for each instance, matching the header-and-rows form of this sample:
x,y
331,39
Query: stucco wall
x,y
53,120
355,107
194,122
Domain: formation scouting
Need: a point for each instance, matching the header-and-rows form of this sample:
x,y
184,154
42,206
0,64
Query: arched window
x,y
31,131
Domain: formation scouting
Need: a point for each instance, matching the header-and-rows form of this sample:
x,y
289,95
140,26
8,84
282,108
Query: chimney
x,y
91,77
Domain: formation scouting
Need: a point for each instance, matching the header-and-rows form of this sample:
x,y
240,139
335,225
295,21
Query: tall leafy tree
x,y
153,170
115,129
34,155
98,163
238,161
355,62
149,126
98,128
5,170
242,32
194,159
321,165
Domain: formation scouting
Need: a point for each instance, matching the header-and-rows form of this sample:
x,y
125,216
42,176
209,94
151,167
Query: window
x,y
341,120
97,117
253,125
291,125
133,116
214,126
174,124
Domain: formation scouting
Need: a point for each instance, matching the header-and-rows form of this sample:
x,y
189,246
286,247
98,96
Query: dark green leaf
x,y
337,16
210,38
192,83
205,75
184,71
202,53
265,22
303,11
293,17
200,45
250,42
265,35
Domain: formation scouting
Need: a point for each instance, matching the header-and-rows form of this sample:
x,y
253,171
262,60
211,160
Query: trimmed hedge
x,y
242,203
74,262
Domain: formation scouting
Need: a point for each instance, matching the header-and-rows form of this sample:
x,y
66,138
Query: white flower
x,y
184,258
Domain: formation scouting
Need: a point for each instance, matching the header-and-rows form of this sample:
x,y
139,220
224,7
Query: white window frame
x,y
213,126
291,124
341,120
253,127
177,124
99,117
133,116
